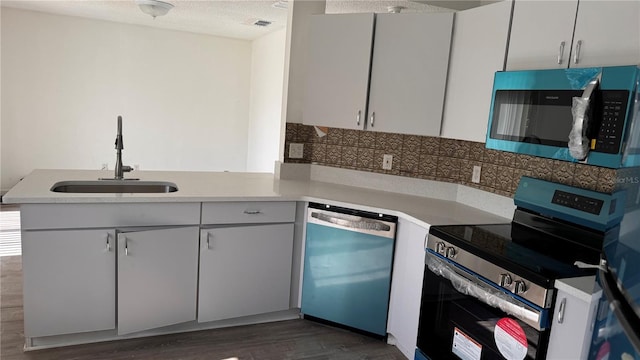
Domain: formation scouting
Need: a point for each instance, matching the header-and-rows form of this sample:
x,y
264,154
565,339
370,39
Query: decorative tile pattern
x,y
428,166
447,160
318,153
334,154
350,137
349,157
448,168
476,151
365,158
563,172
389,142
334,136
454,148
586,176
430,145
367,139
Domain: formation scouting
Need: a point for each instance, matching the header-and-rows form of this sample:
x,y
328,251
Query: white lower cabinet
x,y
69,281
157,278
573,318
244,270
406,286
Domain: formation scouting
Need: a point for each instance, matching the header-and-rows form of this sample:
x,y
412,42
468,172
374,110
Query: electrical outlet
x,y
105,166
475,178
387,162
296,151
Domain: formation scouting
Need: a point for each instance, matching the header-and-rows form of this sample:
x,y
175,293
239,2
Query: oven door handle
x,y
467,284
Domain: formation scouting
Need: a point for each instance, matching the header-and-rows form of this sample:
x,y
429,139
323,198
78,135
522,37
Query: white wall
x,y
184,97
265,110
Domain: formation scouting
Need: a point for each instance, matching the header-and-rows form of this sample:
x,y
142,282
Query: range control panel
x,y
578,202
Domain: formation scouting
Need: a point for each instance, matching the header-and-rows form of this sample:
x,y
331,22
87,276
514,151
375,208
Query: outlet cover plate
x,y
387,162
296,151
475,177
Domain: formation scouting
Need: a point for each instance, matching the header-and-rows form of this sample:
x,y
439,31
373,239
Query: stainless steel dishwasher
x,y
347,267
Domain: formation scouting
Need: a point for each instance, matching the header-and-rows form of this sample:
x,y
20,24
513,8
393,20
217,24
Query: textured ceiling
x,y
228,18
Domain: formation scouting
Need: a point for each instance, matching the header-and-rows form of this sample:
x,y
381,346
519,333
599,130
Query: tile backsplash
x,y
441,159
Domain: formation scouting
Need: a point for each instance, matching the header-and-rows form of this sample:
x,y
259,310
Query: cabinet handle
x,y
208,237
373,118
252,212
561,52
576,58
126,247
563,304
358,117
106,238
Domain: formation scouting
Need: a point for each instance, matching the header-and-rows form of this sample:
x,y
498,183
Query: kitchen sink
x,y
114,186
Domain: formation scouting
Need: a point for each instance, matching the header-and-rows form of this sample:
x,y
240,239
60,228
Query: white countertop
x,y
226,186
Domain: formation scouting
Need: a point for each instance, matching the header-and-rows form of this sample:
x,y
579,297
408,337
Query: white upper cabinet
x,y
608,33
409,73
407,63
338,70
477,52
542,34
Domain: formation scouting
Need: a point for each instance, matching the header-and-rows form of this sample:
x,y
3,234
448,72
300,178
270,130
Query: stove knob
x,y
519,287
451,252
505,280
440,247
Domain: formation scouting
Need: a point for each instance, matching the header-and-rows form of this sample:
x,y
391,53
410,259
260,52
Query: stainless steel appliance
x,y
585,114
488,290
347,268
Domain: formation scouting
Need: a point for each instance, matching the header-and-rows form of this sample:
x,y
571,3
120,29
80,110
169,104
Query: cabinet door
x,y
244,271
409,73
157,278
406,285
573,327
609,34
538,30
479,38
69,281
338,70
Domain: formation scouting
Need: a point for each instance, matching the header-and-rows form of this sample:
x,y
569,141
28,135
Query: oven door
x,y
465,317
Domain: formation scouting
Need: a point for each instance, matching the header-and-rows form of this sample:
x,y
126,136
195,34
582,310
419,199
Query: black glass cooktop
x,y
540,255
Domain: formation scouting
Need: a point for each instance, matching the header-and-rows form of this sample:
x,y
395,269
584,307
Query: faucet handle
x,y
126,168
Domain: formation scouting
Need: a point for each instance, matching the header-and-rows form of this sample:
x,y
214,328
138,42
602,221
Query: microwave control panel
x,y
614,112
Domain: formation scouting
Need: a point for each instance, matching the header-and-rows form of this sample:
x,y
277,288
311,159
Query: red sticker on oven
x,y
510,339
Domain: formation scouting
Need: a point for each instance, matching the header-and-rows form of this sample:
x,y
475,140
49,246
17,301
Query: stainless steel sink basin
x,y
114,186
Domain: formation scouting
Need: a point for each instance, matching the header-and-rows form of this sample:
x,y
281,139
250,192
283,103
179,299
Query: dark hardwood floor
x,y
295,339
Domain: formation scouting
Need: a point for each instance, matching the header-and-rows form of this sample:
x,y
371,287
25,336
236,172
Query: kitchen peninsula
x,y
223,250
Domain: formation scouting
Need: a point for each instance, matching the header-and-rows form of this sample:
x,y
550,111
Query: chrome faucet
x,y
120,169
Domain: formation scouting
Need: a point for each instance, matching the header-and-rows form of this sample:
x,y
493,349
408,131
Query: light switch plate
x,y
296,151
387,162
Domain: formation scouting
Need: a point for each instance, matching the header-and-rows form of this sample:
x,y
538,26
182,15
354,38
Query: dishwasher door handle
x,y
352,222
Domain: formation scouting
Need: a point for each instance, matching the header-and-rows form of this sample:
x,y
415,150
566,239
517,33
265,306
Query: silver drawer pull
x,y
252,212
358,117
126,247
576,58
106,237
208,241
561,52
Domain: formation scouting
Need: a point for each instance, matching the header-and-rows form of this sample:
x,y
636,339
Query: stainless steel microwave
x,y
588,115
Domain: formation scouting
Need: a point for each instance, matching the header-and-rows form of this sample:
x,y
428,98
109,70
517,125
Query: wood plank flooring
x,y
295,339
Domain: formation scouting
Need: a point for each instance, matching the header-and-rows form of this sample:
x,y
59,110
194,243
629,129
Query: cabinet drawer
x,y
61,216
248,212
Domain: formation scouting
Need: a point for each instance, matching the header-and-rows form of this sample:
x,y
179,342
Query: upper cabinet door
x,y
541,34
607,34
338,70
409,72
477,52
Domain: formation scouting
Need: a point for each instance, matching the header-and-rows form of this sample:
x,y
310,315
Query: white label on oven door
x,y
464,346
510,339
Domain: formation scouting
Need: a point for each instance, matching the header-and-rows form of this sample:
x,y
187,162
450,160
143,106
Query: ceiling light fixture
x,y
154,7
